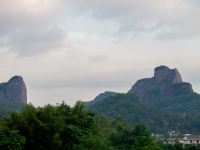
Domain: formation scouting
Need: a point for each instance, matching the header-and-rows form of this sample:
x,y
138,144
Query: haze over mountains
x,y
163,102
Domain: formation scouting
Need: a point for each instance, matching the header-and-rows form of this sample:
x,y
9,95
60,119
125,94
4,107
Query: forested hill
x,y
163,102
63,127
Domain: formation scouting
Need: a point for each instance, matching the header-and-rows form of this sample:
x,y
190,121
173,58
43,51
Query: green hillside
x,y
163,103
158,119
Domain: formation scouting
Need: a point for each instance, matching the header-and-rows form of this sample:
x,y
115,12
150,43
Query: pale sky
x,y
69,50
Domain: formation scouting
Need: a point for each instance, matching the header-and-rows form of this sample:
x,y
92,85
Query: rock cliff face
x,y
165,82
14,89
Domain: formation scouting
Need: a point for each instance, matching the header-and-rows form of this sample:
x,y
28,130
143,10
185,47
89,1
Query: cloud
x,y
155,18
32,41
29,27
193,2
98,58
30,9
89,46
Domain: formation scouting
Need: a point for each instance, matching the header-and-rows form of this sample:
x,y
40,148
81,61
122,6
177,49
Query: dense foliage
x,y
63,127
159,115
180,103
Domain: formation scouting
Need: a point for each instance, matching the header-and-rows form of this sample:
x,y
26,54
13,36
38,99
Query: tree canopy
x,y
63,127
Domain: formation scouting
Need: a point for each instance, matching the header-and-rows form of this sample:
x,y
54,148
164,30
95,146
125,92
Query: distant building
x,y
171,141
190,139
174,138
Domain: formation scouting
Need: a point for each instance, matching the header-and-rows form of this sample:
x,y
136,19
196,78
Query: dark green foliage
x,y
11,140
134,139
63,127
181,103
39,126
94,143
159,115
70,128
77,124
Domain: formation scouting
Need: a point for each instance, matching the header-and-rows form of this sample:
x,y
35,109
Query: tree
x,y
94,143
11,140
39,126
134,139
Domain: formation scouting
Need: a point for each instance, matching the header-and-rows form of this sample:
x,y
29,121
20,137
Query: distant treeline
x,y
63,127
180,113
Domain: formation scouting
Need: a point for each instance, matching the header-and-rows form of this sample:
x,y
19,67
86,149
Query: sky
x,y
70,50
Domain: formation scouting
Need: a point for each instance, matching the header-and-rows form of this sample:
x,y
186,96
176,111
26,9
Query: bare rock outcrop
x,y
14,90
165,82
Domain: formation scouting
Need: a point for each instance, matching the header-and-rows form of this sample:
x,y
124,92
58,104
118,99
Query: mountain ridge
x,y
163,103
165,82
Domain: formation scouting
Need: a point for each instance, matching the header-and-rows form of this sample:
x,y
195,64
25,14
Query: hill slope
x,y
163,102
134,111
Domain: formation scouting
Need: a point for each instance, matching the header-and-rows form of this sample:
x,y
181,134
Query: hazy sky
x,y
74,49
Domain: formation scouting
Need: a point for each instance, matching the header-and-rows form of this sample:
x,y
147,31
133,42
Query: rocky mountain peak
x,y
161,68
165,82
14,89
164,73
16,79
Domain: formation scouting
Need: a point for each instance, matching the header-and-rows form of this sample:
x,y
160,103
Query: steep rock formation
x,y
14,89
165,82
